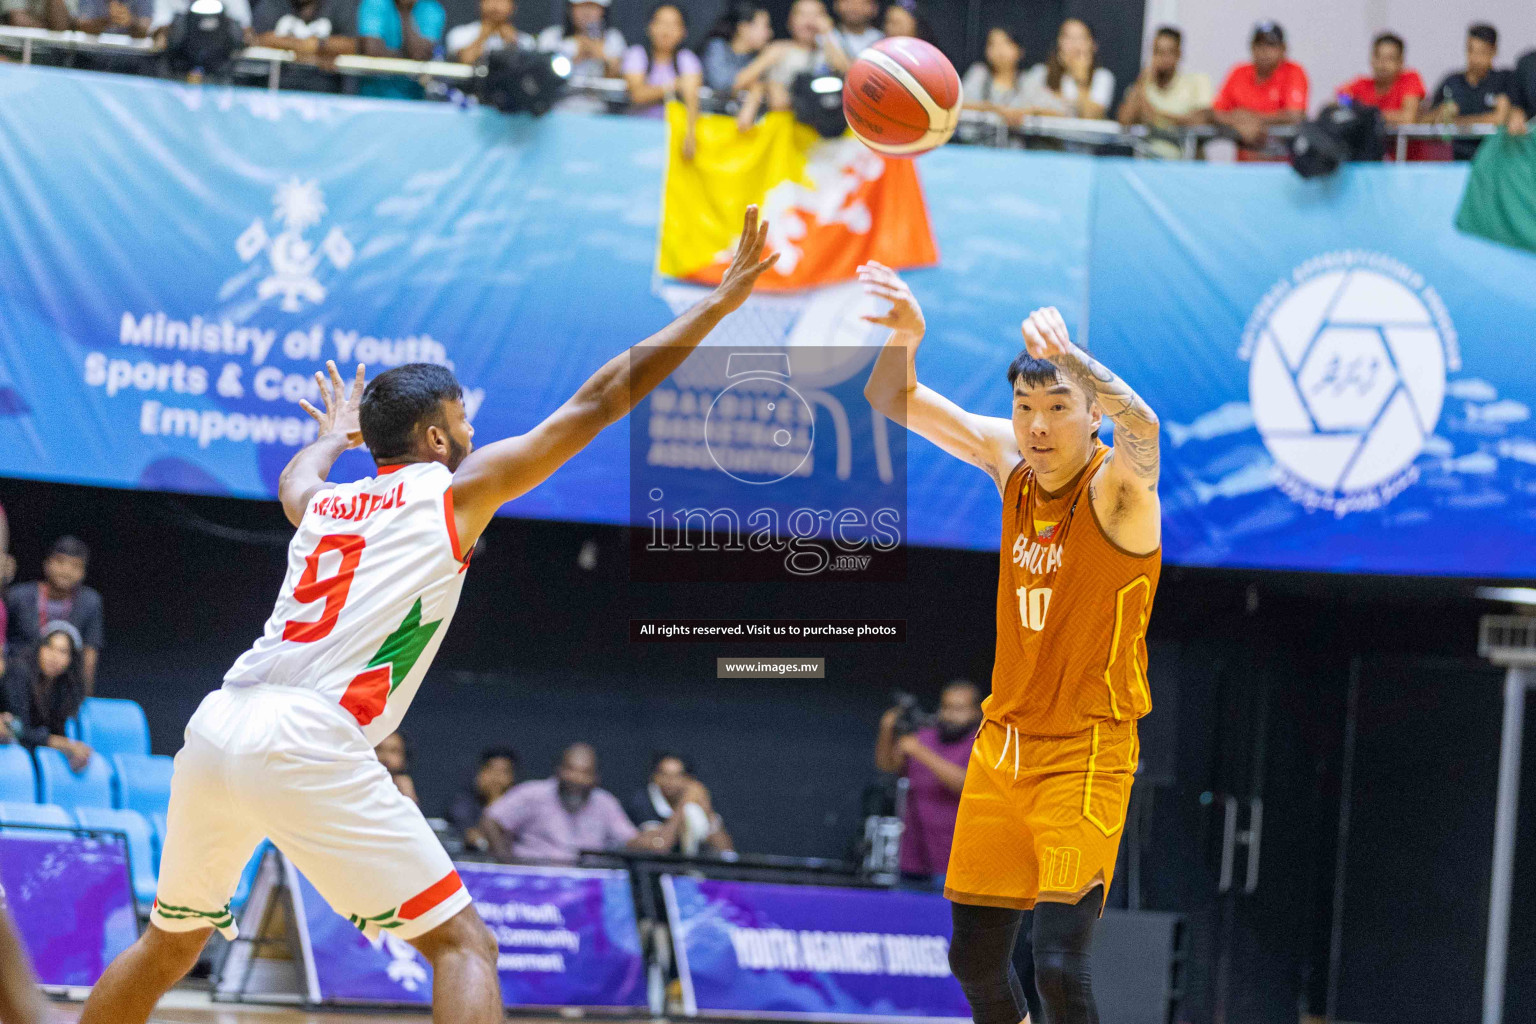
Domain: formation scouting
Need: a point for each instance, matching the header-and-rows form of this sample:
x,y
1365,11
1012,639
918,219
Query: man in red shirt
x,y
1391,88
1269,91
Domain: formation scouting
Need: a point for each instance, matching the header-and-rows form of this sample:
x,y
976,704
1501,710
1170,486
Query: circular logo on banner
x,y
1346,376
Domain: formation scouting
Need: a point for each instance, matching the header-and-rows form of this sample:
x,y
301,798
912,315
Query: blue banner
x,y
564,937
812,952
1330,358
72,902
1337,369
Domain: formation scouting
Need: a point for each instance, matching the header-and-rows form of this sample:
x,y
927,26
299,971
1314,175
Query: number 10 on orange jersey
x,y
1034,602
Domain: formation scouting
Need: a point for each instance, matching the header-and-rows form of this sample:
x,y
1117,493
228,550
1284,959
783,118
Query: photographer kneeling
x,y
931,751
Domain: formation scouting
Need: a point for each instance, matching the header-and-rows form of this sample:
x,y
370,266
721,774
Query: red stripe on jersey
x,y
393,468
366,694
453,527
431,896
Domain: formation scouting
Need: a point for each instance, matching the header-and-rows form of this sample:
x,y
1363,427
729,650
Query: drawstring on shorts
x,y
1010,738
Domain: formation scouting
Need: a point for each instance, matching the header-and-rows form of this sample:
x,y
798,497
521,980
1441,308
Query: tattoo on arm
x,y
1135,422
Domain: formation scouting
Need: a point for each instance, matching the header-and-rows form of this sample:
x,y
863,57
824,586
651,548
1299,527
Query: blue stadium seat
x,y
141,856
58,785
143,782
32,814
18,780
72,727
114,726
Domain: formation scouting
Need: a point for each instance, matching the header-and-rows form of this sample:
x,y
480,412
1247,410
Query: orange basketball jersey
x,y
1072,612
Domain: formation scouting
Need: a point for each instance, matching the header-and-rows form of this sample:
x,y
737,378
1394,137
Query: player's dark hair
x,y
1033,372
71,547
490,754
1486,32
1389,38
399,403
668,755
1172,33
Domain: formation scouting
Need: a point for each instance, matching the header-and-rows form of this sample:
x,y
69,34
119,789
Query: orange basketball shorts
x,y
1041,816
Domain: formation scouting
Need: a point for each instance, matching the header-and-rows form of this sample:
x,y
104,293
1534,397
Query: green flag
x,y
1500,201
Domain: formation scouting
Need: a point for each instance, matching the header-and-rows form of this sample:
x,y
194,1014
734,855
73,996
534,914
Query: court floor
x,y
194,1007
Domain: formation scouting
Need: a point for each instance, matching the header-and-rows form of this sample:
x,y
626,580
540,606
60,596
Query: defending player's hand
x,y
905,316
340,416
1045,334
748,265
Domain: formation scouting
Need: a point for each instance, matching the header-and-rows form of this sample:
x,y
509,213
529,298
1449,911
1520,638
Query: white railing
x,y
1101,132
977,126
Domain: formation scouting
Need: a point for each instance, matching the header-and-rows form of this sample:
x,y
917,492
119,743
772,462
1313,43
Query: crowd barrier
x,y
976,127
580,939
72,899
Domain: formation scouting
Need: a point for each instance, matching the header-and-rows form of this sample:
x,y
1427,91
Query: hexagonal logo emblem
x,y
1347,362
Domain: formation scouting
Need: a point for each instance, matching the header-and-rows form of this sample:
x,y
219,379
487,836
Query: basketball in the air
x,y
902,97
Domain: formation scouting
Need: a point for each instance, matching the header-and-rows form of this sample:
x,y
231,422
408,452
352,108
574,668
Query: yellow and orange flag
x,y
831,204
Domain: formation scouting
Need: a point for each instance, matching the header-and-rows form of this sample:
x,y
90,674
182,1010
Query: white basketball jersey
x,y
374,575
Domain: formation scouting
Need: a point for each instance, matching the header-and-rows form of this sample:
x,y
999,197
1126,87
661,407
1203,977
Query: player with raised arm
x,y
285,749
1050,774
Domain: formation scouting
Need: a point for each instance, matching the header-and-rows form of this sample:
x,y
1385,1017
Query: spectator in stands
x,y
554,819
856,29
394,753
1268,91
494,31
738,35
997,85
593,47
314,30
60,595
933,760
1523,99
41,690
497,774
674,811
812,47
122,17
1390,87
398,28
1478,95
665,70
166,11
1071,83
902,18
1163,97
58,15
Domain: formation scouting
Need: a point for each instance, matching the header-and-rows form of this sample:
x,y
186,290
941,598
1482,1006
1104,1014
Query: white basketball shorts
x,y
287,764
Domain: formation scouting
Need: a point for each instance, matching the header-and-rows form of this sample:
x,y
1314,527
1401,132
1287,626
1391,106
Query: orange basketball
x,y
902,97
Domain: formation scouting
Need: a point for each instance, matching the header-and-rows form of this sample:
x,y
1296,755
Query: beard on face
x,y
573,797
456,452
949,732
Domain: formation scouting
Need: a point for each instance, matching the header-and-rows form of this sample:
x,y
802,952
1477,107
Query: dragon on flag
x,y
831,204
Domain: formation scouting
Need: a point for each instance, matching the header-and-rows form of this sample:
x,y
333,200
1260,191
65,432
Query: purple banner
x,y
564,936
72,901
801,951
